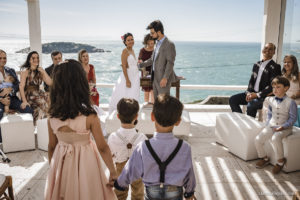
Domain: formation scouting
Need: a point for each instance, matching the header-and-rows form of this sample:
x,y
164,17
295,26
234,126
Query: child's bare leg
x,y
151,96
146,96
6,109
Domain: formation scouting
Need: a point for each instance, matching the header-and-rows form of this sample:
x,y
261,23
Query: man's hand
x,y
5,101
163,82
251,96
280,128
5,91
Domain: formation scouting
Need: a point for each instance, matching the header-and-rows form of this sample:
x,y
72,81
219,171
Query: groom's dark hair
x,y
157,26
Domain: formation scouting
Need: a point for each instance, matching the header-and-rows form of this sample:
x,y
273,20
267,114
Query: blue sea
x,y
211,63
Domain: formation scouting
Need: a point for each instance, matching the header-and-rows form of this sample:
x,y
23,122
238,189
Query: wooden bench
x,y
146,82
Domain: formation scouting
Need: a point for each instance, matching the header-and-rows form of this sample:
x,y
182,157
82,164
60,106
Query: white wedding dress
x,y
120,90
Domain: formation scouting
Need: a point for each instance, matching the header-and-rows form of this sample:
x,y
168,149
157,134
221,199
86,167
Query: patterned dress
x,y
91,76
34,96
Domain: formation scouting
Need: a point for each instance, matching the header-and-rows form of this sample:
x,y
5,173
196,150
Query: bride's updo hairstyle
x,y
70,92
124,37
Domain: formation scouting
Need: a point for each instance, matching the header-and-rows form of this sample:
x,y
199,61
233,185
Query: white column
x,y
35,27
273,25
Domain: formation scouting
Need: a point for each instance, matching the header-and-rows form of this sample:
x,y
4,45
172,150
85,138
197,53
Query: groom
x,y
162,60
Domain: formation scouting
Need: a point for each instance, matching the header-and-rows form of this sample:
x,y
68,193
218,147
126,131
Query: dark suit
x,y
271,70
49,71
15,102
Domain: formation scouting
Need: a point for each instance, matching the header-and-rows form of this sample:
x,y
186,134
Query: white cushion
x,y
291,146
145,125
237,131
42,134
17,132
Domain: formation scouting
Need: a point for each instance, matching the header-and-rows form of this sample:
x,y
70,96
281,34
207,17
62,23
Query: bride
x,y
128,84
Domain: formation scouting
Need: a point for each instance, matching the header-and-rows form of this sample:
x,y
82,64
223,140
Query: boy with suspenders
x,y
163,162
123,142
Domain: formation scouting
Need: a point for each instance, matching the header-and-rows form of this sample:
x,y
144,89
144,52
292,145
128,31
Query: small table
x,y
146,82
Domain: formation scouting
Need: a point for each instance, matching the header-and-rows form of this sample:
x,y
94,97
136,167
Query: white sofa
x,y
42,134
17,132
145,125
237,132
291,147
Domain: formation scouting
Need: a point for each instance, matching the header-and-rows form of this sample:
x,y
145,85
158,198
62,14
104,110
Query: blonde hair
x,y
80,53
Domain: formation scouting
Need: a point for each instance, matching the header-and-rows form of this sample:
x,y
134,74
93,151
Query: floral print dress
x,y
35,96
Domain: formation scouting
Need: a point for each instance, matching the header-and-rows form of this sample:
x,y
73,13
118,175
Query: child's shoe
x,y
278,167
262,163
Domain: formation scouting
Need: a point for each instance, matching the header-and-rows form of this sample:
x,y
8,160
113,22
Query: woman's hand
x,y
24,104
128,84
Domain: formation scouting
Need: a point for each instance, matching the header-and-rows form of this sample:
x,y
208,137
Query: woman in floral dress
x,y
32,77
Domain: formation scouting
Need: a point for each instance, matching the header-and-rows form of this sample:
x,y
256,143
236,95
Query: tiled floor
x,y
220,175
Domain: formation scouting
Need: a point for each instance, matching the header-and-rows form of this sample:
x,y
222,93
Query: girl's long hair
x,y
26,65
70,93
294,76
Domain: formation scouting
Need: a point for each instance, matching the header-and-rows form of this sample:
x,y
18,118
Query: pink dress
x,y
76,171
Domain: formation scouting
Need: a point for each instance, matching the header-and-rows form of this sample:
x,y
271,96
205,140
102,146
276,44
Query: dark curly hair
x,y
147,38
125,36
70,93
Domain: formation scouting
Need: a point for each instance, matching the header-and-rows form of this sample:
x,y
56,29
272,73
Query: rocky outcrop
x,y
65,47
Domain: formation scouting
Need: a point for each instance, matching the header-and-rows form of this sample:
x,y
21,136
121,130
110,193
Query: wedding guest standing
x,y
32,77
76,171
83,58
56,57
145,54
291,72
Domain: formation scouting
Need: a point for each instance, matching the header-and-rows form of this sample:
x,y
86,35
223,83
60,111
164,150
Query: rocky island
x,y
65,47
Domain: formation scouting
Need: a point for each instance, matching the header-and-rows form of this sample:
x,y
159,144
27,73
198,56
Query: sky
x,y
188,20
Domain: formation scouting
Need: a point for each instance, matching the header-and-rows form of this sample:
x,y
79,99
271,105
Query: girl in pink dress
x,y
76,170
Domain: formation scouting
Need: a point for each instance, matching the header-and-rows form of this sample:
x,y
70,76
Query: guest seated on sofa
x,y
291,72
8,82
32,77
259,87
282,114
9,93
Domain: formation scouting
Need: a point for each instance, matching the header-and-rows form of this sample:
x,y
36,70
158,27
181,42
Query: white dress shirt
x,y
260,72
118,146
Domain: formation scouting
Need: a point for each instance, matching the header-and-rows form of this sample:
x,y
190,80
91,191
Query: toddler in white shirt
x,y
123,142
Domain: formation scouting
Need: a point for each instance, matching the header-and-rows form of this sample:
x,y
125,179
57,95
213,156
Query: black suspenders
x,y
163,165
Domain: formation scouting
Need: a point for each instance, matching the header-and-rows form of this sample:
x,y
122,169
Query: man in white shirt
x,y
123,142
259,86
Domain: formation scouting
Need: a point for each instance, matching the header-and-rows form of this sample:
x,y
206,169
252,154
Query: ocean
x,y
210,63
